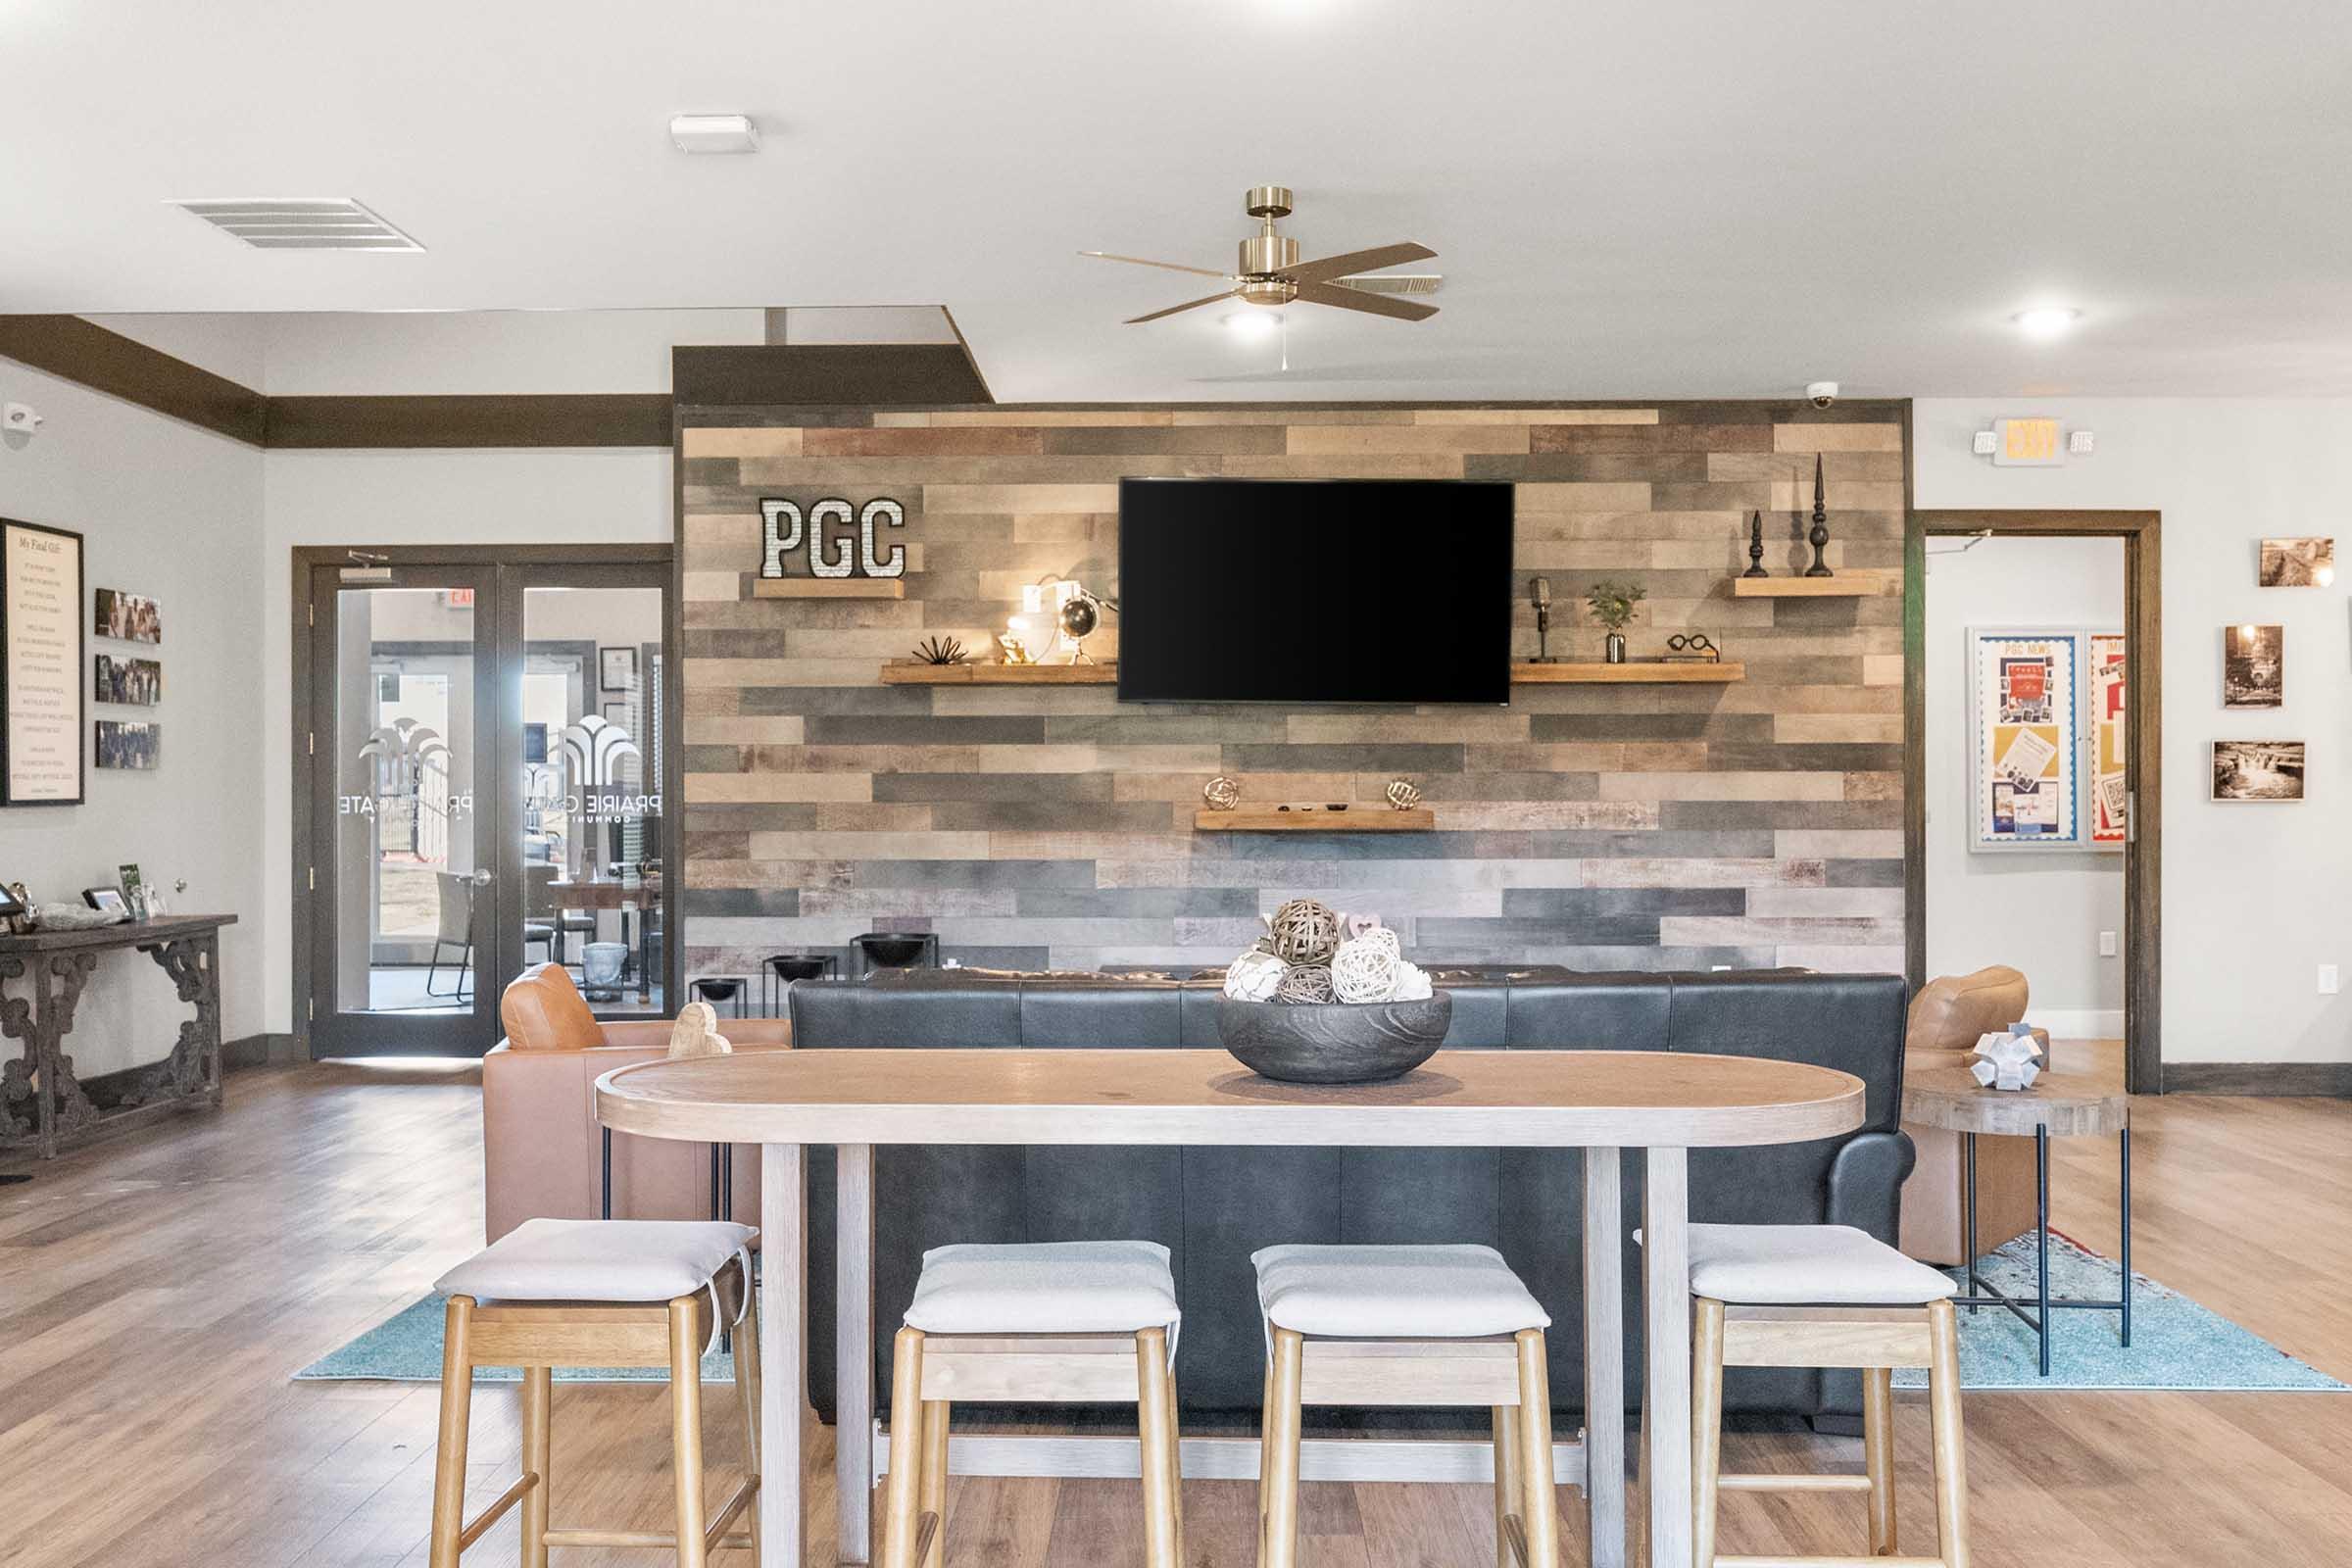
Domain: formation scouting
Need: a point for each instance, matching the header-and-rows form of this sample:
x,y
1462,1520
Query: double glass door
x,y
485,740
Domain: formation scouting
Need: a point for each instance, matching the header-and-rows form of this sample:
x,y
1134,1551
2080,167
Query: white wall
x,y
417,498
2039,911
173,513
2254,895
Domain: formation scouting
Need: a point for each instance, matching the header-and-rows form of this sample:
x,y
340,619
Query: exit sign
x,y
2026,442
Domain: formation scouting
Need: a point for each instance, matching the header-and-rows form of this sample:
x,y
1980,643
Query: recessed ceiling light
x,y
2048,320
1253,322
713,134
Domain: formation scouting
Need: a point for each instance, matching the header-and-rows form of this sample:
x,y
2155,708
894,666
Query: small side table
x,y
2058,1106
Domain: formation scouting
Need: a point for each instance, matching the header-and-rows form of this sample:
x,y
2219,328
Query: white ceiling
x,y
1629,200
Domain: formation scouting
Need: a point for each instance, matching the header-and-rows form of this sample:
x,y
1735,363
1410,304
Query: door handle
x,y
481,878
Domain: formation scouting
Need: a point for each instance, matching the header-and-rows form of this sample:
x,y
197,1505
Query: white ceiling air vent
x,y
1394,283
301,223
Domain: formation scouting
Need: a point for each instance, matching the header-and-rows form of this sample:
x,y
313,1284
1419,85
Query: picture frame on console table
x,y
42,643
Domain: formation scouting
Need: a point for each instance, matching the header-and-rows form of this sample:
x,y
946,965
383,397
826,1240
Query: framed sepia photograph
x,y
126,617
2258,770
2253,665
132,682
123,743
2297,564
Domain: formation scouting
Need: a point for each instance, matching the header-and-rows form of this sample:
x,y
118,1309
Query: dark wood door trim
x,y
2144,626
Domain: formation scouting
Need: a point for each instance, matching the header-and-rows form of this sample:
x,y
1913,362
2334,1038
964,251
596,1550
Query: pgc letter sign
x,y
830,554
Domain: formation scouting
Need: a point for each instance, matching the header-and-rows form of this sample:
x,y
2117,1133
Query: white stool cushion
x,y
1807,1265
1045,1288
1447,1292
598,1260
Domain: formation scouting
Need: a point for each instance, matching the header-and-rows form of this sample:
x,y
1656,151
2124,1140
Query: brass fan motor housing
x,y
1267,201
1266,253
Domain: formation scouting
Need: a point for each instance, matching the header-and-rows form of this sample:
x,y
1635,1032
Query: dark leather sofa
x,y
1211,1207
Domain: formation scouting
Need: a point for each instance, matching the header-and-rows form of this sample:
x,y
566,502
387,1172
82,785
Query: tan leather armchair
x,y
1946,1018
542,1150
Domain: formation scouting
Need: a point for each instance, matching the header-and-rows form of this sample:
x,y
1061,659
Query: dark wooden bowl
x,y
1333,1042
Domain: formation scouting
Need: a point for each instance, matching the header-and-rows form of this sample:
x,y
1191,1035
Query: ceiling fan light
x,y
2047,320
1261,322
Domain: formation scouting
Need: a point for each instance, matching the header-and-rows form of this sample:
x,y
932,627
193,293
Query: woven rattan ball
x,y
1255,976
1305,982
1304,931
1221,793
1381,936
1364,971
1403,795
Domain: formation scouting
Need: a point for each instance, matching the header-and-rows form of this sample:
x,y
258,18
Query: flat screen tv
x,y
1314,591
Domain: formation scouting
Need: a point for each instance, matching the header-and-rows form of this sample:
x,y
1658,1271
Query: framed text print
x,y
2024,739
41,665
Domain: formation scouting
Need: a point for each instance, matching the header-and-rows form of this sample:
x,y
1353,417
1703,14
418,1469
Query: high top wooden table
x,y
1663,1103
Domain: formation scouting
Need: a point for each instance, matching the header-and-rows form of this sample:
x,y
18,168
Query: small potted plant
x,y
1613,606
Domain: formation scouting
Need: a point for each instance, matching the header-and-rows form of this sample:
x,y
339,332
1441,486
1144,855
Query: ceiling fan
x,y
1272,275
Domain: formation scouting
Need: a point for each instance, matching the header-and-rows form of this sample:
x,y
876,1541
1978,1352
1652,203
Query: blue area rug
x,y
2175,1344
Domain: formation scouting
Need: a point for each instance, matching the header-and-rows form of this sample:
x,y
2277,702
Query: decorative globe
x,y
1255,976
1305,983
1364,971
1304,931
1221,793
1403,795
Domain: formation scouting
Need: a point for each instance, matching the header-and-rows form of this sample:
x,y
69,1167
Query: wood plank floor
x,y
156,1293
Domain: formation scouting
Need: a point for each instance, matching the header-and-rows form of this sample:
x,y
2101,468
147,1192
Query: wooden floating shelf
x,y
913,673
828,587
1812,587
1370,819
1652,672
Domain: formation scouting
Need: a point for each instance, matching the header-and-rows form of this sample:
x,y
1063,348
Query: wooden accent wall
x,y
1603,828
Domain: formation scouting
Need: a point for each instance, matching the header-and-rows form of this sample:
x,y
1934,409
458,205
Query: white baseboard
x,y
2078,1023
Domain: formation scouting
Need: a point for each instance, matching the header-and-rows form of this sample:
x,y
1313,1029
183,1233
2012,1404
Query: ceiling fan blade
x,y
1331,266
1140,260
1355,299
1188,304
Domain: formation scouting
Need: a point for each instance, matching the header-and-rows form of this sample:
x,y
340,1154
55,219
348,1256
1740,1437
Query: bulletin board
x,y
2045,738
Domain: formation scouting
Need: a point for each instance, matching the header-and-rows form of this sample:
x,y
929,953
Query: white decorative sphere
x,y
1411,984
1364,969
1382,936
1255,976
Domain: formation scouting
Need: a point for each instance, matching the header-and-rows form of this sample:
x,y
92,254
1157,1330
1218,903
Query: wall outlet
x,y
2107,946
2081,443
2327,980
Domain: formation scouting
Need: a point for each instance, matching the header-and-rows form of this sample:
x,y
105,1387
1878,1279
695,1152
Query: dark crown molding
x,y
871,375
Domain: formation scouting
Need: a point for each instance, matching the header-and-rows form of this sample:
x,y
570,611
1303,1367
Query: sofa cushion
x,y
541,1010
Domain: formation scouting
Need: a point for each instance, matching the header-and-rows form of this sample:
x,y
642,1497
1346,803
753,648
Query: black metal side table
x,y
2058,1106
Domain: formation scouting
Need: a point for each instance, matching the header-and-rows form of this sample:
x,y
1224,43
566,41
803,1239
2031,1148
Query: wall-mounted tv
x,y
1314,591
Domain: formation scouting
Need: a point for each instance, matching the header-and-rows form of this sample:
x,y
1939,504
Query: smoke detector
x,y
300,223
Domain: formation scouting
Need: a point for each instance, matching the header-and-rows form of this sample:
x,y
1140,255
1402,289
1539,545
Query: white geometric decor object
x,y
2007,1061
1364,969
696,1033
1412,985
1255,976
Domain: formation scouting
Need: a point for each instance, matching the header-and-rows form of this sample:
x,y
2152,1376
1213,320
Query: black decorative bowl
x,y
1333,1042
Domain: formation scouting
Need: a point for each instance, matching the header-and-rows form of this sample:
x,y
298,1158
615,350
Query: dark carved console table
x,y
41,1103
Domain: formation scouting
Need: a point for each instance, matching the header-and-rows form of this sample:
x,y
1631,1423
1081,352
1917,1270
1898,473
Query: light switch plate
x,y
2327,980
2107,948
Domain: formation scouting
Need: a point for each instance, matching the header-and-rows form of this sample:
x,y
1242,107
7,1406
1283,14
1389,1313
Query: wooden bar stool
x,y
603,1293
1824,1296
1407,1326
1038,1323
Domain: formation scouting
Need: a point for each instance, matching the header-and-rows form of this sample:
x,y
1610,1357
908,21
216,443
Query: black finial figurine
x,y
1820,536
1755,546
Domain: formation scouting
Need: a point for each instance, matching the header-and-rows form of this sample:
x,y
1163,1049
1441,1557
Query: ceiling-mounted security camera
x,y
1822,393
19,418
